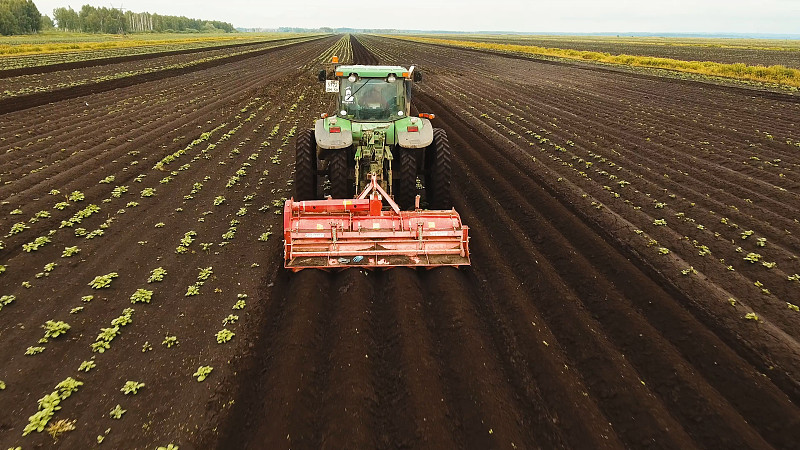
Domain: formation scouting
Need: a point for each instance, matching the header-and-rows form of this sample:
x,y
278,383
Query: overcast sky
x,y
706,16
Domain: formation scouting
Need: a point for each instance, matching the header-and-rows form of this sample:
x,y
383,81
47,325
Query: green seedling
x,y
160,225
240,304
689,270
202,372
87,366
170,341
752,258
131,387
34,350
117,412
230,319
141,296
751,316
148,192
70,251
157,275
17,228
192,290
204,274
168,447
76,310
54,329
6,300
87,298
793,307
224,336
76,196
103,281
219,200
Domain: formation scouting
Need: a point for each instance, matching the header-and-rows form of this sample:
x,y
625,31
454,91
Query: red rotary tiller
x,y
337,233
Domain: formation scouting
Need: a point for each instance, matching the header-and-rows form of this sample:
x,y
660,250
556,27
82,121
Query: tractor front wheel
x,y
438,162
305,166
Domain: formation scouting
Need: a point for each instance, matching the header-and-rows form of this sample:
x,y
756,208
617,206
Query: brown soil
x,y
569,330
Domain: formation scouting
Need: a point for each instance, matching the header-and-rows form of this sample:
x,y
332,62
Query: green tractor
x,y
373,133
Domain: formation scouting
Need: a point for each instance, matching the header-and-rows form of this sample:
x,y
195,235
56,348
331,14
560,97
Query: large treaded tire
x,y
305,166
437,184
339,174
405,178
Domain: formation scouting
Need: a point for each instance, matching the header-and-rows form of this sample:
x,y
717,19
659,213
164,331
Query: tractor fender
x,y
415,139
328,140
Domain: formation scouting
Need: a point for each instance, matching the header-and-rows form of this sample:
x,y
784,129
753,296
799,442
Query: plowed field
x,y
634,248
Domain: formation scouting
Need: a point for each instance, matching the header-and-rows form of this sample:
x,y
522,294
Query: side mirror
x,y
417,76
322,75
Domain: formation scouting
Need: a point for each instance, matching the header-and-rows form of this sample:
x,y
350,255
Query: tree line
x,y
19,17
22,17
90,19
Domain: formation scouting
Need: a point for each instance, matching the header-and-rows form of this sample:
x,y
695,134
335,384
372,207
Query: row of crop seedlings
x,y
76,220
237,177
53,329
341,49
50,403
130,73
584,163
378,52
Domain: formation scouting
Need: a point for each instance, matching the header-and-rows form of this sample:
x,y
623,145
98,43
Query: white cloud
x,y
713,16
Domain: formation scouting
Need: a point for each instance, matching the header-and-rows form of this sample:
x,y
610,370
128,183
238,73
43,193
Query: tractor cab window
x,y
372,99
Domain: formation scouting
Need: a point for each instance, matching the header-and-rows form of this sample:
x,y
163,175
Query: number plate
x,y
332,86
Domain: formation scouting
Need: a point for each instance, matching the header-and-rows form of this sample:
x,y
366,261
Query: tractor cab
x,y
372,93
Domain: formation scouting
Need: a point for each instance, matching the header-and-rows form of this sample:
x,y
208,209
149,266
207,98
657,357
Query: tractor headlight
x,y
343,112
352,78
399,113
391,78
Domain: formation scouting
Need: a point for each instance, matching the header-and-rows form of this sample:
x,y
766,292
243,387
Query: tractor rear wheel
x,y
305,166
338,173
404,183
438,162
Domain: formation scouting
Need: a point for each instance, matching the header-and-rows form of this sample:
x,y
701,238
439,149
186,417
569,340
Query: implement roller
x,y
334,234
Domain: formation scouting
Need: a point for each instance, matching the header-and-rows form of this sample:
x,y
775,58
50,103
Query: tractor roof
x,y
371,71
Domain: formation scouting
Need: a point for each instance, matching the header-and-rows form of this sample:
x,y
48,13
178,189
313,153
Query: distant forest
x,y
22,17
19,17
111,20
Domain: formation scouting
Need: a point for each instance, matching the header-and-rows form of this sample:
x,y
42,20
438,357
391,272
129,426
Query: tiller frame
x,y
337,234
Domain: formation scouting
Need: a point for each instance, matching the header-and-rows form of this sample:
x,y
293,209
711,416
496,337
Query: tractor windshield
x,y
372,99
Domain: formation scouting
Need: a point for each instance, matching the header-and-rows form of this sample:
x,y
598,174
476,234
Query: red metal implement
x,y
335,234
